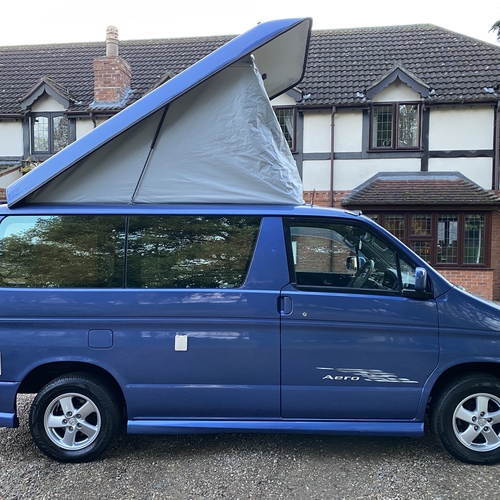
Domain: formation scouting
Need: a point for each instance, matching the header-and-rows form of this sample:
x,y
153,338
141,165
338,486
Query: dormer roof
x,y
50,87
398,72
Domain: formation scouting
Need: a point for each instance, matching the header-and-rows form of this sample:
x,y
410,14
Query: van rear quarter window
x,y
87,251
82,251
190,251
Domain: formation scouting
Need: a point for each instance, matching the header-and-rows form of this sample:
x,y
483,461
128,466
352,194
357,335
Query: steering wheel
x,y
362,275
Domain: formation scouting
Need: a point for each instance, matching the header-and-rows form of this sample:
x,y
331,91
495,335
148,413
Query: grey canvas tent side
x,y
209,135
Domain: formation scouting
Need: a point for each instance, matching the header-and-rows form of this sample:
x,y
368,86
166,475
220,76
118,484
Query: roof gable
x,y
49,87
398,73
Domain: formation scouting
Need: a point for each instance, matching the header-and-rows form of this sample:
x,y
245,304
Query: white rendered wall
x,y
47,103
478,170
348,131
316,175
83,126
461,128
317,132
283,100
397,91
349,174
6,180
11,138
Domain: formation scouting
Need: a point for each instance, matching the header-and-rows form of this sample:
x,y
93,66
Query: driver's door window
x,y
326,254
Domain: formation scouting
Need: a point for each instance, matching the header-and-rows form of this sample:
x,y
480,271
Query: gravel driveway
x,y
244,466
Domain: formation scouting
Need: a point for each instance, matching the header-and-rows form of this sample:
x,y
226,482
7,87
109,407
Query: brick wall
x,y
495,254
485,283
322,198
474,281
111,78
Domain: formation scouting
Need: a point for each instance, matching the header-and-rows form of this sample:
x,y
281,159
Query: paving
x,y
244,466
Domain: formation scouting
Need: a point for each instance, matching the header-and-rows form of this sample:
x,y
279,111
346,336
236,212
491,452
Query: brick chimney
x,y
111,74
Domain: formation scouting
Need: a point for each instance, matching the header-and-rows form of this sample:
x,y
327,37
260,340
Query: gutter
x,y
497,149
332,154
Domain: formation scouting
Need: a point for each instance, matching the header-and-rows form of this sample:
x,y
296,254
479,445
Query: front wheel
x,y
466,418
74,418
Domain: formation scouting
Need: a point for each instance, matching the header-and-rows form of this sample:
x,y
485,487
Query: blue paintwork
x,y
249,367
279,426
345,332
236,49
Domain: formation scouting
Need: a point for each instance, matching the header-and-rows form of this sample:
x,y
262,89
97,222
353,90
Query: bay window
x,y
443,239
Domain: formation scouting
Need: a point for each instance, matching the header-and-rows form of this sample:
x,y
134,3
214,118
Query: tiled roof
x,y
390,189
345,62
342,64
71,66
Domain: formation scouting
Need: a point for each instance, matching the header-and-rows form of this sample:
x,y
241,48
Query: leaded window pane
x,y
447,239
285,119
421,225
382,127
395,224
422,249
41,133
474,239
408,126
60,132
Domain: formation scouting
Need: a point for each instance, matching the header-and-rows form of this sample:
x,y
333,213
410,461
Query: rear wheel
x,y
466,418
74,418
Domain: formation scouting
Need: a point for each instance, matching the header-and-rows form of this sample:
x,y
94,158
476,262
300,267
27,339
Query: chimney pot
x,y
112,74
112,41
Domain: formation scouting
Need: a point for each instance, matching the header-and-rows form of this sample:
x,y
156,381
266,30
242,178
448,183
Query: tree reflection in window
x,y
62,251
190,251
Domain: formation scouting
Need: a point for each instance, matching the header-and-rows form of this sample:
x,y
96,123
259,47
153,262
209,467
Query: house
x,y
400,122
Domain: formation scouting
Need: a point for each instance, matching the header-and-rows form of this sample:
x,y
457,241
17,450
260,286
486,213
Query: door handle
x,y
286,306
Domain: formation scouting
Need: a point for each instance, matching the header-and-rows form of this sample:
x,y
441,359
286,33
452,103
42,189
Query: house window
x,y
49,133
395,126
285,118
456,239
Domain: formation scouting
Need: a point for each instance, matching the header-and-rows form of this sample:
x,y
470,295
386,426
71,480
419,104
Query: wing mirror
x,y
354,263
420,279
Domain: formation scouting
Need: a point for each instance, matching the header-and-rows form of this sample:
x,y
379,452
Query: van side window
x,y
326,254
62,251
190,251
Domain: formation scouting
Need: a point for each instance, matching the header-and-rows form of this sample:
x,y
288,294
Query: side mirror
x,y
354,263
420,279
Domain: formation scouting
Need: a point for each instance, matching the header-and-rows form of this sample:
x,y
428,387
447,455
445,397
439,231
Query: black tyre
x,y
74,418
466,418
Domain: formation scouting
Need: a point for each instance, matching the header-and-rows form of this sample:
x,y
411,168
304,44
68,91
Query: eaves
x,y
424,207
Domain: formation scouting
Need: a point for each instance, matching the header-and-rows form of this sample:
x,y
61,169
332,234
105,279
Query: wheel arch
x,y
43,374
459,371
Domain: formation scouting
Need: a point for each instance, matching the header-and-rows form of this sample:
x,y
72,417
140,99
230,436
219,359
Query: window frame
x,y
395,105
289,222
409,238
294,123
50,115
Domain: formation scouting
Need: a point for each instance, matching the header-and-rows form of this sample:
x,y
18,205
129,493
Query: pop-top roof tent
x,y
208,135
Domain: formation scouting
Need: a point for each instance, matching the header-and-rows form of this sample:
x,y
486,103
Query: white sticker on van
x,y
365,374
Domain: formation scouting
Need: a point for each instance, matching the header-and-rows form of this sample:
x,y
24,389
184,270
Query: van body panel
x,y
356,356
267,356
279,426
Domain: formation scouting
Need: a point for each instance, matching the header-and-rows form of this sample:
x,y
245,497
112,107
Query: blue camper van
x,y
189,290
